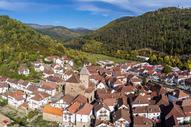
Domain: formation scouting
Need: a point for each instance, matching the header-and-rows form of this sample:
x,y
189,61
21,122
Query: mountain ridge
x,y
60,32
165,30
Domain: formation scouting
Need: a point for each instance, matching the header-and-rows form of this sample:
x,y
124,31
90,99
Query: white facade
x,y
39,68
139,105
83,118
13,102
24,72
68,119
103,114
34,104
100,86
13,85
121,123
60,104
3,89
183,119
59,62
155,115
50,92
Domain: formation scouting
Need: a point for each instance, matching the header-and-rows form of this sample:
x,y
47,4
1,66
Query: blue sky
x,y
81,13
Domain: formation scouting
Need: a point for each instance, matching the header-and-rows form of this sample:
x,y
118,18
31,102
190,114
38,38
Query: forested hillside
x,y
21,44
166,30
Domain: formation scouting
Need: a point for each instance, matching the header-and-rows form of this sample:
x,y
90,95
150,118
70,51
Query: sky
x,y
90,14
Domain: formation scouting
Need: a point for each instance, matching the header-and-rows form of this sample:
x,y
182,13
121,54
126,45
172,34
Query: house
x,y
67,74
170,79
114,82
177,95
83,116
67,60
12,83
38,66
102,112
186,107
101,84
133,79
106,63
22,85
3,79
100,123
187,84
23,70
150,112
140,121
50,59
121,118
96,78
127,66
48,87
52,113
16,98
111,103
38,100
56,79
4,87
122,103
176,112
69,115
136,81
64,102
58,69
141,100
59,61
126,89
48,72
32,88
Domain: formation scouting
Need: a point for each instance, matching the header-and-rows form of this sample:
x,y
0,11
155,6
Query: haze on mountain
x,y
60,32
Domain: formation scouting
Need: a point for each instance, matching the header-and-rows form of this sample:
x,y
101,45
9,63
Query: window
x,y
65,117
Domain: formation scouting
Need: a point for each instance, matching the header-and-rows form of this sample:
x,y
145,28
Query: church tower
x,y
84,76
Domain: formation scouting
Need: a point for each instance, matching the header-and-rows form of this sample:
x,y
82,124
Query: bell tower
x,y
84,76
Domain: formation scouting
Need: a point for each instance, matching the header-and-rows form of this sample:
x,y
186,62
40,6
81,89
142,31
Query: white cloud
x,y
140,6
94,9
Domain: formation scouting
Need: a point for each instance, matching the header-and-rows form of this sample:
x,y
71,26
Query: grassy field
x,y
93,58
39,122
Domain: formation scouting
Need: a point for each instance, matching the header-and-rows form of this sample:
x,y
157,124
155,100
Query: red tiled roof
x,y
86,109
73,79
140,121
40,96
48,85
18,95
73,108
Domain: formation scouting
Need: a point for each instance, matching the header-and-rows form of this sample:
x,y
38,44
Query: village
x,y
108,94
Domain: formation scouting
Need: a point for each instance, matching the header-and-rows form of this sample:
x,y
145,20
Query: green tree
x,y
167,69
